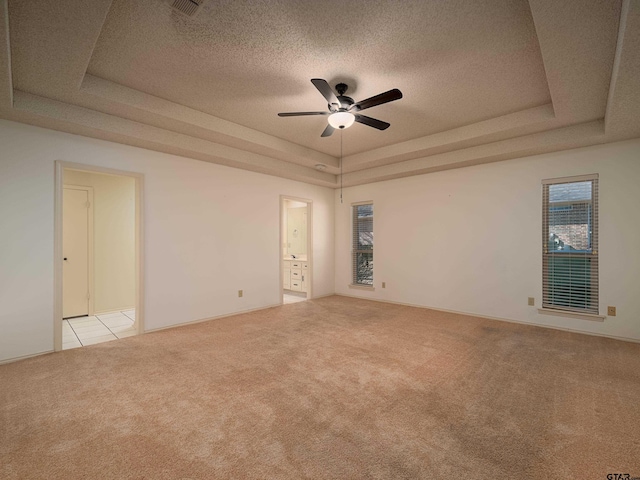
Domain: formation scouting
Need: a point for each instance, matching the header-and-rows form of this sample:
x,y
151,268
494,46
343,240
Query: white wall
x,y
469,240
209,231
466,240
114,212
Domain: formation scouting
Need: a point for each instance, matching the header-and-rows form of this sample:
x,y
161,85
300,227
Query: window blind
x,y
363,244
570,244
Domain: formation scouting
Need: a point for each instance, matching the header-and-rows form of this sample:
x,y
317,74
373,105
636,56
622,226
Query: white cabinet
x,y
295,275
305,274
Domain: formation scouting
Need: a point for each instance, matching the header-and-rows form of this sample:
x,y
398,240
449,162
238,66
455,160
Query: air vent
x,y
188,7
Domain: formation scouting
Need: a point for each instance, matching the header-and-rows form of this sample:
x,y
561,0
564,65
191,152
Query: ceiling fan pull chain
x,y
341,167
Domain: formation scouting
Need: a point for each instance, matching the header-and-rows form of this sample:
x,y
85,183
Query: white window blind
x,y
570,244
363,244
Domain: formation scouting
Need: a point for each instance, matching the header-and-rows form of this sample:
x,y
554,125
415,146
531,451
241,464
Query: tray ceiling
x,y
482,81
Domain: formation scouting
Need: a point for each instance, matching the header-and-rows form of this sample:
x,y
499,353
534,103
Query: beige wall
x,y
210,231
286,206
295,230
469,240
114,238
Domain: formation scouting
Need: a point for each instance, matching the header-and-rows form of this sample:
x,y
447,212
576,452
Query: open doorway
x,y
296,249
98,232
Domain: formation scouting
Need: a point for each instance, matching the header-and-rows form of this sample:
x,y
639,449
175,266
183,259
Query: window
x,y
570,244
363,244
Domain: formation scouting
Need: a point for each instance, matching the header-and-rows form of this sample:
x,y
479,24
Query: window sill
x,y
362,287
564,313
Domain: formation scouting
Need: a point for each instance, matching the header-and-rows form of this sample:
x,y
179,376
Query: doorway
x,y
98,258
296,249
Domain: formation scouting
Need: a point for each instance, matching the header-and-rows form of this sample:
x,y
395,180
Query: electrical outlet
x,y
532,301
240,293
384,284
611,311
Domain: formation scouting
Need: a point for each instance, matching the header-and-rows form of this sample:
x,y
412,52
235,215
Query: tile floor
x,y
81,331
290,296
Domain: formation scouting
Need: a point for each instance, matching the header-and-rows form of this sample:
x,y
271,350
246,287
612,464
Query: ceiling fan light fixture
x,y
341,119
340,107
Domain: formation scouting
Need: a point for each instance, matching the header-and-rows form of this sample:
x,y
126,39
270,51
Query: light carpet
x,y
334,388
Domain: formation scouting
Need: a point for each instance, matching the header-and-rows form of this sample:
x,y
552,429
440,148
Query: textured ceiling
x,y
457,62
483,81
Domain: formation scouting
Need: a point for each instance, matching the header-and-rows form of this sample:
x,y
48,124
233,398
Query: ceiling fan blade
x,y
327,131
324,88
385,97
372,122
298,114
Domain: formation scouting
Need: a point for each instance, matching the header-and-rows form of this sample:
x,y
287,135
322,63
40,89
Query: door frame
x,y
90,283
309,244
60,165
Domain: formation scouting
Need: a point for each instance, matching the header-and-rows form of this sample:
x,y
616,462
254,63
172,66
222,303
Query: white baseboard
x,y
322,296
24,357
218,317
468,314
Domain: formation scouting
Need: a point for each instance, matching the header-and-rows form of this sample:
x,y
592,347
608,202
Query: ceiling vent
x,y
187,7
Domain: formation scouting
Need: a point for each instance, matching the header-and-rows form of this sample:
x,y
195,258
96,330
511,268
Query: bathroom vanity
x,y
295,274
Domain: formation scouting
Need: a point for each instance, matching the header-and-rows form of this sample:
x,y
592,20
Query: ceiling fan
x,y
343,111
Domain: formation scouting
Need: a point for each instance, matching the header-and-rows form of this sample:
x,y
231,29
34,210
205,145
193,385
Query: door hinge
x,y
88,296
88,204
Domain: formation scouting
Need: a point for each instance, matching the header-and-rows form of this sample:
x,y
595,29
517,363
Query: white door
x,y
75,248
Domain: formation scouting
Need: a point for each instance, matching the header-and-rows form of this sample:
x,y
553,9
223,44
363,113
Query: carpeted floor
x,y
334,388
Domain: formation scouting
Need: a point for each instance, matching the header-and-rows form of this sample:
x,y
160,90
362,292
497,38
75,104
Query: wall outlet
x,y
532,301
611,311
384,284
240,293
